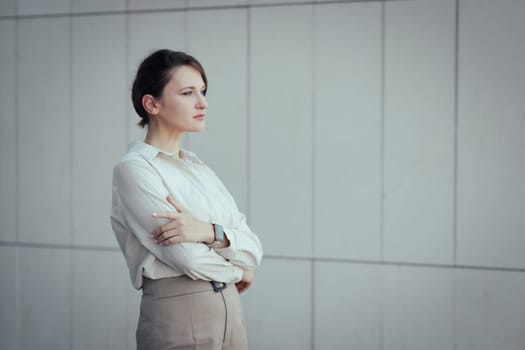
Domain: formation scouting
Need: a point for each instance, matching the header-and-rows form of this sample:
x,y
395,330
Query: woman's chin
x,y
197,128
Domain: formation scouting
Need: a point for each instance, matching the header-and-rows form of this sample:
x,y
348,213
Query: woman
x,y
185,242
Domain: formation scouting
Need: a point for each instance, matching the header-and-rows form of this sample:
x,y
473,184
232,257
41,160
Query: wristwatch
x,y
219,235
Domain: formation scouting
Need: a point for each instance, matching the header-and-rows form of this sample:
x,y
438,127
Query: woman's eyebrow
x,y
192,87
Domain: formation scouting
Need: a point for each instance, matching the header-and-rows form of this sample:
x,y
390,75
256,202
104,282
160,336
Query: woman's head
x,y
166,69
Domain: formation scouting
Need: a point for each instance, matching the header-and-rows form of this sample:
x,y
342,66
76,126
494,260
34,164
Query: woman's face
x,y
183,106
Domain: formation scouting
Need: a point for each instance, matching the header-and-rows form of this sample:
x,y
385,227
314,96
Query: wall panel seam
x,y
17,130
127,62
382,137
290,258
456,135
18,303
313,134
187,8
382,172
71,182
18,318
248,115
455,176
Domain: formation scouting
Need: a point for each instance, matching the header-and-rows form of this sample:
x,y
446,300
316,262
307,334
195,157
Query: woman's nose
x,y
202,103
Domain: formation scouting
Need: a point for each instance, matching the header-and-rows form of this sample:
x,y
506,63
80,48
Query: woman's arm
x,y
240,246
140,192
183,227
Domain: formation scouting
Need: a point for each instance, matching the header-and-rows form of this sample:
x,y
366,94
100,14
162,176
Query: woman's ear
x,y
150,104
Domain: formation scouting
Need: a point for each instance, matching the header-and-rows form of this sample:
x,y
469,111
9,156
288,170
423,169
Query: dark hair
x,y
155,72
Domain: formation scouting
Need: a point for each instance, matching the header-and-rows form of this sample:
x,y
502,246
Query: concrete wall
x,y
376,147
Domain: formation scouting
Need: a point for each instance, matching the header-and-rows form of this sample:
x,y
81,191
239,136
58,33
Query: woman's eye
x,y
187,93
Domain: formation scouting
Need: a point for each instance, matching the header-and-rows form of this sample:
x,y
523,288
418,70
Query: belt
x,y
181,285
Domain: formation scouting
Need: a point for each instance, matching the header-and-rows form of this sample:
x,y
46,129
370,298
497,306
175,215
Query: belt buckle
x,y
216,288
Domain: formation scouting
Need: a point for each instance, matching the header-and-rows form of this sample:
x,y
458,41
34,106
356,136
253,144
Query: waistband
x,y
181,285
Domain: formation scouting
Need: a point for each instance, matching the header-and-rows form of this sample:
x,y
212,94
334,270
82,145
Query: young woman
x,y
185,242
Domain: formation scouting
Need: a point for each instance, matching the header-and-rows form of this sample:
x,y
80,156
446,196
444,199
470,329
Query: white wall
x,y
376,147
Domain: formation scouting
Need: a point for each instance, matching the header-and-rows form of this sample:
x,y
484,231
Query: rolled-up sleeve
x,y
139,192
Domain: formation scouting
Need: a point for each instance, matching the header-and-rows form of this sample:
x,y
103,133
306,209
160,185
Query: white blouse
x,y
142,180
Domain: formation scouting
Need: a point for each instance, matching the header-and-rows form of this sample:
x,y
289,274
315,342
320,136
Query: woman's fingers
x,y
162,236
167,230
166,215
171,225
181,224
242,286
168,237
171,240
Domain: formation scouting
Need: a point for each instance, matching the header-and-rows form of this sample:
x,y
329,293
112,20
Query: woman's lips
x,y
200,117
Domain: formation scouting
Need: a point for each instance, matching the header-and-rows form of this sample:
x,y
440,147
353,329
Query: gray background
x,y
376,147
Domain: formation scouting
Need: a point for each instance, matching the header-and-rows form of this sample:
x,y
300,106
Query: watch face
x,y
219,233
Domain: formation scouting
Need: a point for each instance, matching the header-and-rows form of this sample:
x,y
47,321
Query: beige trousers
x,y
180,313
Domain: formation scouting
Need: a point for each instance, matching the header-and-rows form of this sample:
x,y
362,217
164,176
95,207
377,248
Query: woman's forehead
x,y
186,76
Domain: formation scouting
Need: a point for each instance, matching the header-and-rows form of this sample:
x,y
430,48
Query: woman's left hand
x,y
247,279
182,227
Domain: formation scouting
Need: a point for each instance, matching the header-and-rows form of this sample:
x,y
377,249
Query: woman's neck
x,y
168,141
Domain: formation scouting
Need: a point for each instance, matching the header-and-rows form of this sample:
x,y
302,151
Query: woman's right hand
x,y
182,227
247,279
